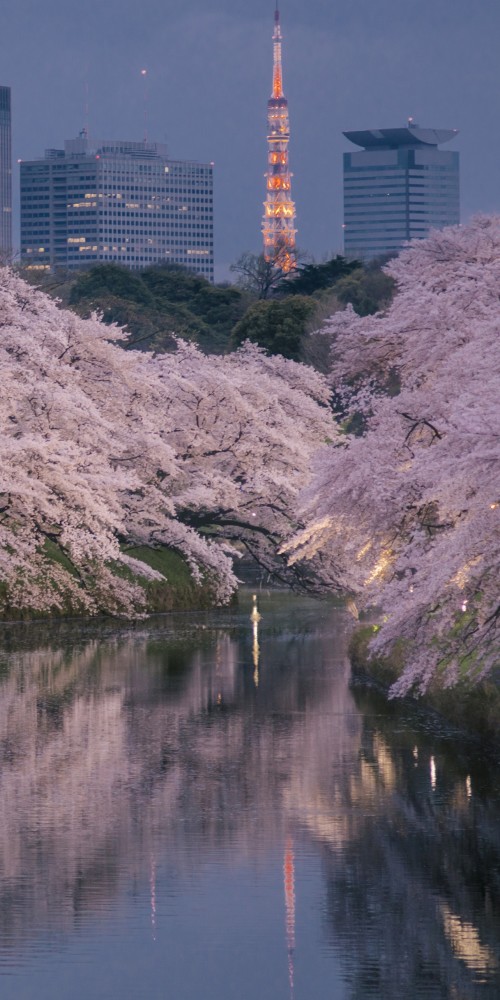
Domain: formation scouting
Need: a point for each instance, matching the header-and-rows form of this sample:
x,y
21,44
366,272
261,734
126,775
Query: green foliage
x,y
178,591
164,561
383,669
166,300
278,326
311,278
282,321
110,280
55,554
367,290
160,301
472,706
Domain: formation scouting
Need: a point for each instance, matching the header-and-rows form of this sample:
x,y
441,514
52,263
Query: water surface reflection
x,y
202,807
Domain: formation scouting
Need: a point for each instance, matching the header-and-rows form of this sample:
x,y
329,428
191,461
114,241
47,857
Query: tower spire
x,y
278,227
277,68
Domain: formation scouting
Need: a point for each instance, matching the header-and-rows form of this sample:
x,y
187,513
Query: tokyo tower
x,y
278,226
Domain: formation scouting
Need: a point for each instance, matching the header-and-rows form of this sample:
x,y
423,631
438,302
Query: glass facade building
x,y
5,174
398,188
121,201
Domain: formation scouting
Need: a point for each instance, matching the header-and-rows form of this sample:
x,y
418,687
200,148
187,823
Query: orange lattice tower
x,y
278,227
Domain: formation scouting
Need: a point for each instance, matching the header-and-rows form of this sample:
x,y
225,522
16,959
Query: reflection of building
x,y
101,200
5,173
397,188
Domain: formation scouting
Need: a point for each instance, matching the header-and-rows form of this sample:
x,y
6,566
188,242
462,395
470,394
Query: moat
x,y
202,806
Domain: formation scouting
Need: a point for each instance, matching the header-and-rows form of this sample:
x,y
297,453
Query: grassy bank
x,y
475,709
177,592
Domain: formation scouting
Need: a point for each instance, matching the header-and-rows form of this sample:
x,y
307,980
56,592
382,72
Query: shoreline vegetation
x,y
178,591
471,709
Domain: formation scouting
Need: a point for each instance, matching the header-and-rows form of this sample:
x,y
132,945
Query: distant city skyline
x,y
208,82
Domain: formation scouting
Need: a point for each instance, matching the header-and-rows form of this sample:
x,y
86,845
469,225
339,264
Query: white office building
x,y
121,201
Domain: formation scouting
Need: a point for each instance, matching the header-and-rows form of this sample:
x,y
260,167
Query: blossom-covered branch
x,y
104,449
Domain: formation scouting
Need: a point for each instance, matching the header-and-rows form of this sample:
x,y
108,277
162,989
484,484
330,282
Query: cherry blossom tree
x,y
244,427
407,516
104,449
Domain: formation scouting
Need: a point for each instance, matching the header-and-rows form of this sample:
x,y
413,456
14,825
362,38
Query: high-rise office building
x,y
5,175
398,188
121,201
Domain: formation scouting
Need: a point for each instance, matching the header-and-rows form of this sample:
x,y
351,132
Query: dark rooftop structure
x,y
411,136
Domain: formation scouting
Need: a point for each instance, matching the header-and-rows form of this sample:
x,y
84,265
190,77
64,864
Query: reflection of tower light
x,y
255,619
255,652
289,879
152,884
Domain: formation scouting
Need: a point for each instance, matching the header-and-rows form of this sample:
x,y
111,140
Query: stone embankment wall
x,y
472,708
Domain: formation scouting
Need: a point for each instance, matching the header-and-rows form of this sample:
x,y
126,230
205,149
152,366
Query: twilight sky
x,y
363,64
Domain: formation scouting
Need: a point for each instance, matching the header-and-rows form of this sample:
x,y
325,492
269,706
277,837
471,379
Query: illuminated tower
x,y
278,227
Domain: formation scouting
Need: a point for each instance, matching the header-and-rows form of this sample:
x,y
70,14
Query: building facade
x,y
398,188
121,201
5,174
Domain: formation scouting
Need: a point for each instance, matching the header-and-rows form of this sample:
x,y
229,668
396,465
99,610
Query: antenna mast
x,y
144,74
85,130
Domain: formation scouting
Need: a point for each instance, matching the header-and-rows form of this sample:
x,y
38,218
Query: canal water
x,y
204,808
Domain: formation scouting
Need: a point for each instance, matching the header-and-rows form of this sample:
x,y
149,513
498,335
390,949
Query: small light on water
x,y
468,786
433,773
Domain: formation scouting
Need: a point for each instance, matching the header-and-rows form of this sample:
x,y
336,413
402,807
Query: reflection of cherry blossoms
x,y
103,448
407,516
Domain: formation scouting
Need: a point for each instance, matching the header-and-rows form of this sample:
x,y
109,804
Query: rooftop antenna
x,y
144,74
84,134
